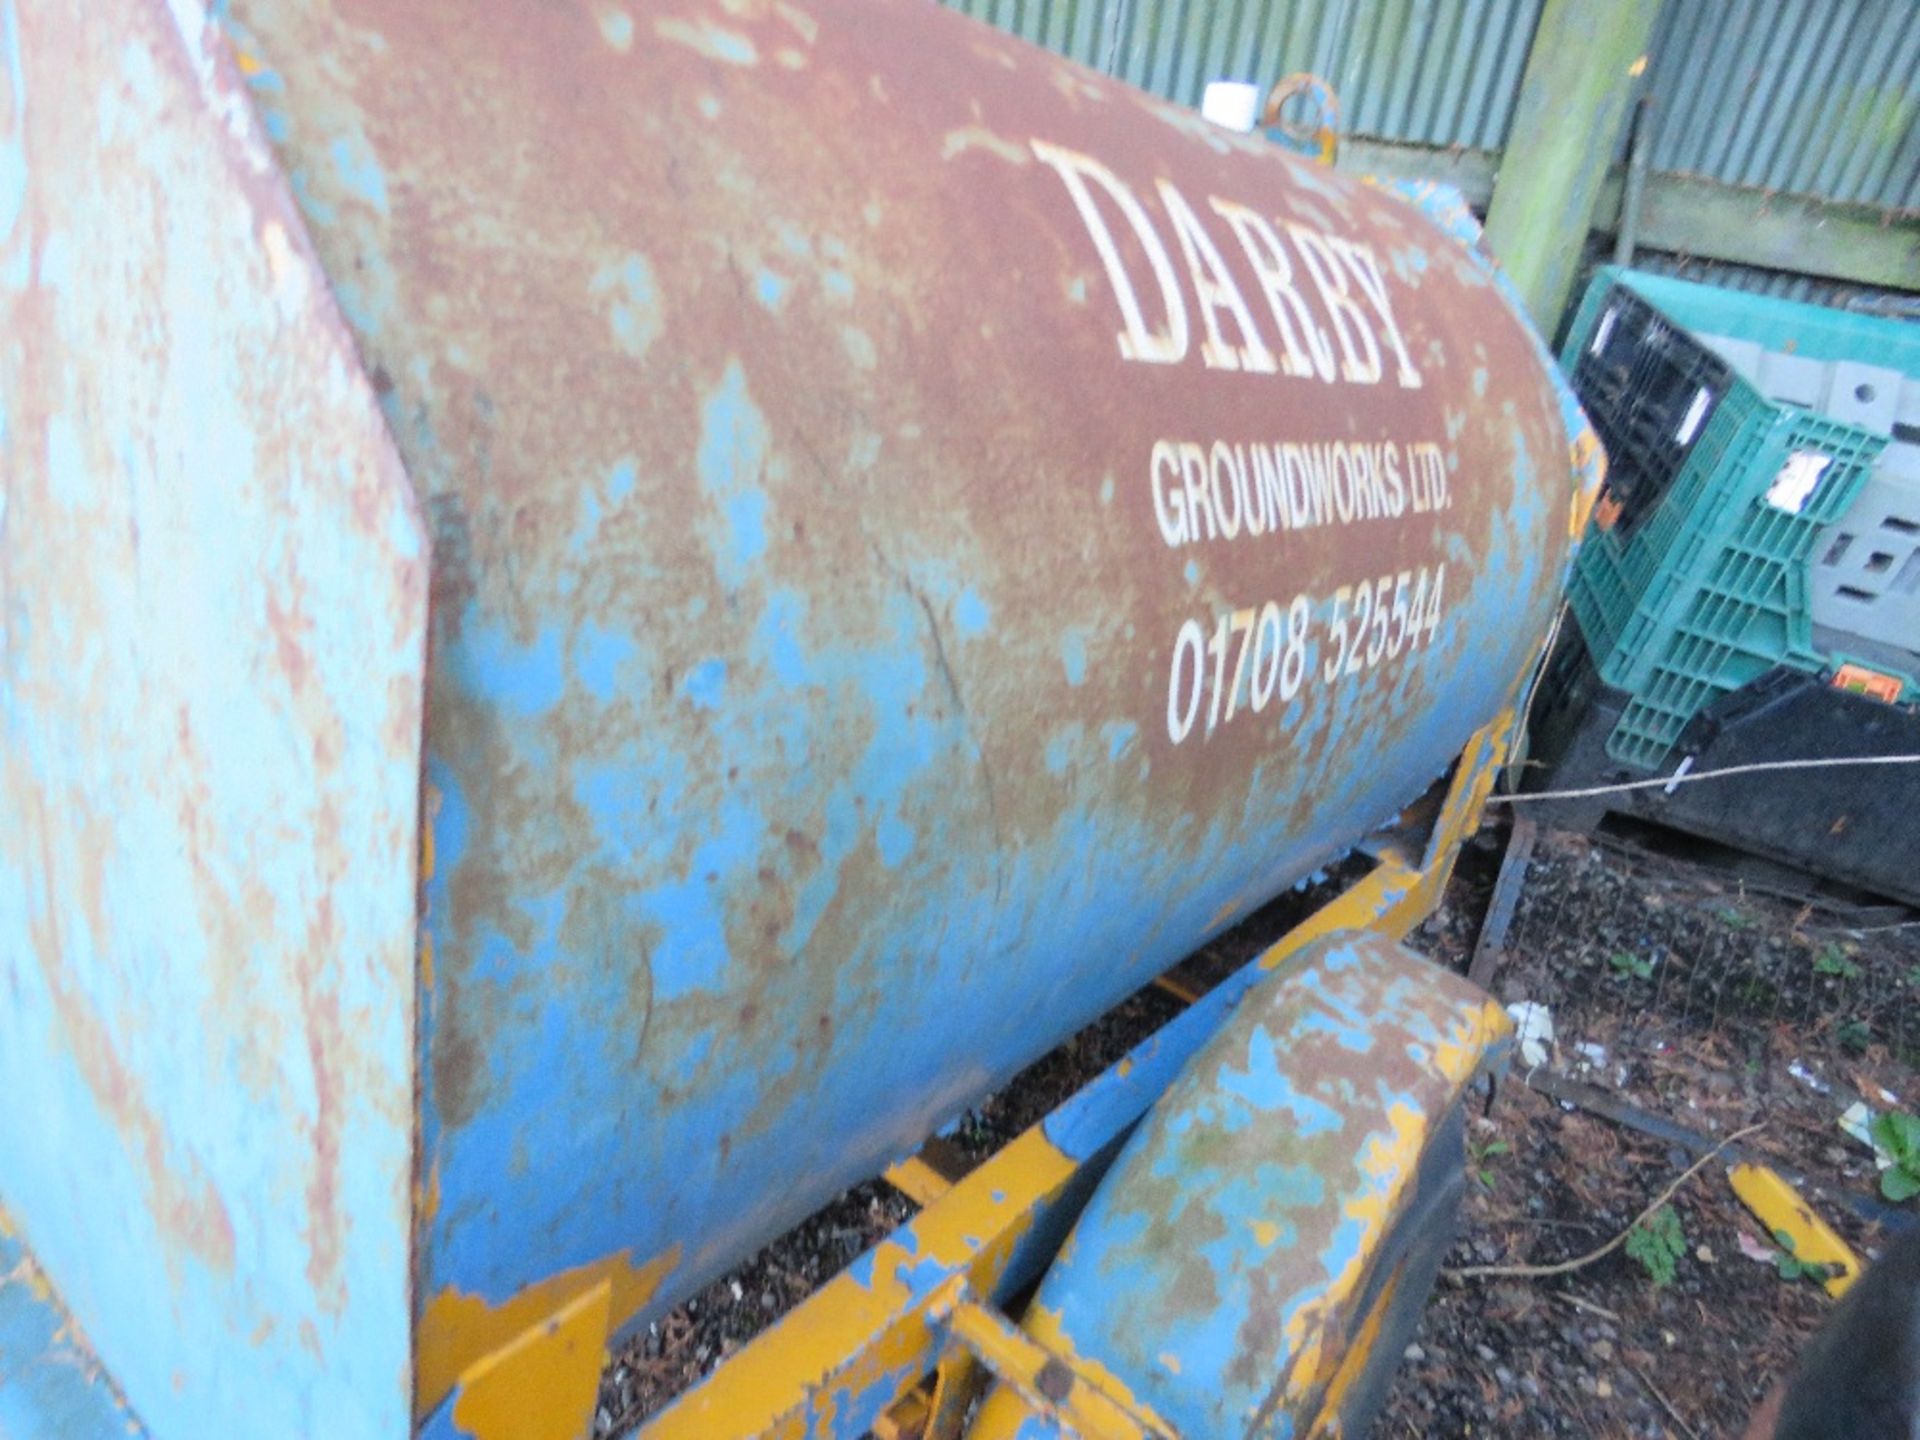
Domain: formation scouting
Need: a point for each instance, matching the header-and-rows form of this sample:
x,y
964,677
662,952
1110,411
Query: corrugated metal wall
x,y
1435,72
1816,97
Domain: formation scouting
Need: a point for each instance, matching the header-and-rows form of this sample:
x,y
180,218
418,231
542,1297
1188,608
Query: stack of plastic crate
x,y
1745,524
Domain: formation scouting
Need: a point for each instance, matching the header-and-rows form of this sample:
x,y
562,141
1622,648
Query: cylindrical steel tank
x,y
921,536
897,501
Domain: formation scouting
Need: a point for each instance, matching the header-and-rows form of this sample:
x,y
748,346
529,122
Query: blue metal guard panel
x,y
212,622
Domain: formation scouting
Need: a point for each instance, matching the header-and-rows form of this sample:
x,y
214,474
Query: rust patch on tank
x,y
320,1007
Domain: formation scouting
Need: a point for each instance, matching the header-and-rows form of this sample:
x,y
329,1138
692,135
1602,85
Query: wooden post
x,y
1566,122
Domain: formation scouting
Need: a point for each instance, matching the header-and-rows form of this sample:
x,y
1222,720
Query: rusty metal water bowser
x,y
613,611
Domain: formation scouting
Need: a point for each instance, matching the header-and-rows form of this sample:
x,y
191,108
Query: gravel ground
x,y
1673,989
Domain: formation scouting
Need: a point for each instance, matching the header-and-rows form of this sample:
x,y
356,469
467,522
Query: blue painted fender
x,y
1256,1258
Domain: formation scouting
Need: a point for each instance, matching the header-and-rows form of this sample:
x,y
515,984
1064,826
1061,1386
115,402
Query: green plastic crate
x,y
1707,589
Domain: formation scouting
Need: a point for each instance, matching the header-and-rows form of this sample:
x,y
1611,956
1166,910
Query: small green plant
x,y
1913,976
1624,964
1657,1242
1480,1160
1792,1267
1832,960
1734,917
1896,1135
1854,1035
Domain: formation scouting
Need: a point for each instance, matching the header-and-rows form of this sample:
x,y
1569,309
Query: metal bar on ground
x,y
1607,1106
1491,946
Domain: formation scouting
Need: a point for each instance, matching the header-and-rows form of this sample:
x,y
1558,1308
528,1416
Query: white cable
x,y
1667,782
1522,733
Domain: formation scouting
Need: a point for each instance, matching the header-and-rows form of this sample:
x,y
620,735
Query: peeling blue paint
x,y
769,288
732,462
1073,655
632,297
1060,751
599,656
620,481
971,614
360,171
617,27
778,637
693,953
241,782
895,840
311,206
522,678
1265,1086
653,876
706,684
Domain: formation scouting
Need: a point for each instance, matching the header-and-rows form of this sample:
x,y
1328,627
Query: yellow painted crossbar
x,y
870,1330
1051,1384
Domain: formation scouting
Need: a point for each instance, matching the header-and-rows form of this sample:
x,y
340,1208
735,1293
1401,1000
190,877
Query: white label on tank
x,y
1696,412
1796,480
1602,331
1231,103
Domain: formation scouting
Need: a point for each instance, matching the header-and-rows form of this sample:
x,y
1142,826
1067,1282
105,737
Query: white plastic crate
x,y
1864,576
1866,572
